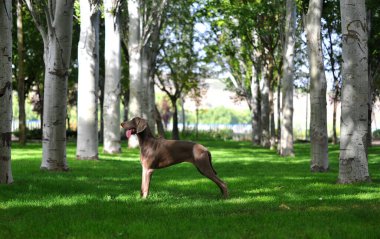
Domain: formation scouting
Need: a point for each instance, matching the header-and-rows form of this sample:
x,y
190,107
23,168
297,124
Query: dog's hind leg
x,y
204,166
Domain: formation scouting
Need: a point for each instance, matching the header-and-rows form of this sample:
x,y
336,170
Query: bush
x,y
376,134
31,134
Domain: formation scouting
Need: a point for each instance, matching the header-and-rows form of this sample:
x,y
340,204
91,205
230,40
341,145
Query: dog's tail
x,y
209,158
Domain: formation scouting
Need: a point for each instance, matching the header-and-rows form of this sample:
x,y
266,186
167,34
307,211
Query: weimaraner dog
x,y
156,153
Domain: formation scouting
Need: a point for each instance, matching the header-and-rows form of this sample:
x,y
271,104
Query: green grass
x,y
270,197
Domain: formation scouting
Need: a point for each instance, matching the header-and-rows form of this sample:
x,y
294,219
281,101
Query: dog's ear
x,y
141,125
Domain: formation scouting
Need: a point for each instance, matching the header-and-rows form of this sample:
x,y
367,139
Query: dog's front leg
x,y
146,176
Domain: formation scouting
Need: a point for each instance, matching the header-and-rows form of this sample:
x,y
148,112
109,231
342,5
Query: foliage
x,y
34,134
270,197
220,115
376,134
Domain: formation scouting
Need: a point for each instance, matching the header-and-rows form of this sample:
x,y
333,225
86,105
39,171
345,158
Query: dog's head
x,y
134,126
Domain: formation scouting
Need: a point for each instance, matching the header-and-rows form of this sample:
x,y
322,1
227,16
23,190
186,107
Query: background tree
x,y
146,19
111,107
178,71
88,80
56,32
286,144
21,75
318,85
332,51
353,162
5,91
373,19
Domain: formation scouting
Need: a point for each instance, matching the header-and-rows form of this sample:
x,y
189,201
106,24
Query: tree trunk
x,y
279,110
175,131
5,91
353,162
318,113
272,129
101,101
160,125
265,108
57,43
286,148
21,76
112,57
183,114
336,88
88,80
335,107
134,52
254,105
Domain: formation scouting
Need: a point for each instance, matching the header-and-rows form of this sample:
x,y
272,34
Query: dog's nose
x,y
122,124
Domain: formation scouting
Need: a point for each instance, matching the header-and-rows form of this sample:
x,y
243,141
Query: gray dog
x,y
156,153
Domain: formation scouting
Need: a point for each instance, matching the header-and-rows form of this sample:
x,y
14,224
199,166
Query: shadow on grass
x,y
270,197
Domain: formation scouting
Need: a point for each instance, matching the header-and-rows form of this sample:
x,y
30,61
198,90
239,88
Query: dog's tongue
x,y
129,133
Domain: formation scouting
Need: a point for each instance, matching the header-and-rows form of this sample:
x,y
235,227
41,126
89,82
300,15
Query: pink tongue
x,y
129,133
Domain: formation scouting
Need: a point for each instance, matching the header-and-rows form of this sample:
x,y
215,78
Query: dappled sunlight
x,y
263,187
49,201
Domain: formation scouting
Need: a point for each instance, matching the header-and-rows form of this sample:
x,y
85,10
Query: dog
x,y
157,153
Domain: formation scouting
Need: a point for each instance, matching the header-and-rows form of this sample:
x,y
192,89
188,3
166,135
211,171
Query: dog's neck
x,y
145,135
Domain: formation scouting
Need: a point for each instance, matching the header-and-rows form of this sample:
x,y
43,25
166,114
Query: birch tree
x,y
111,105
145,22
318,114
136,93
353,162
5,91
56,31
88,78
286,143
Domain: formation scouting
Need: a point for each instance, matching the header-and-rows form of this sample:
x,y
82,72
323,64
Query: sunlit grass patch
x,y
270,197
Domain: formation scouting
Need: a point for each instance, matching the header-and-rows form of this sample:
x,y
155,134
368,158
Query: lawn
x,y
270,197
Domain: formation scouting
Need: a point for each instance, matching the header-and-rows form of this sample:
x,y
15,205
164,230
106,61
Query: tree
x,y
353,162
21,75
136,93
318,85
88,78
56,32
178,71
146,19
286,144
331,41
5,91
111,107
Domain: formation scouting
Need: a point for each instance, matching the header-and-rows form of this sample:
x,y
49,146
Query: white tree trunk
x,y
5,91
88,77
57,53
353,162
318,114
111,107
286,144
134,51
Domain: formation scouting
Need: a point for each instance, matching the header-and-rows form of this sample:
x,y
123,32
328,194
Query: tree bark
x,y
134,52
255,109
88,80
21,76
318,113
57,37
265,108
5,91
286,144
175,130
353,162
111,107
